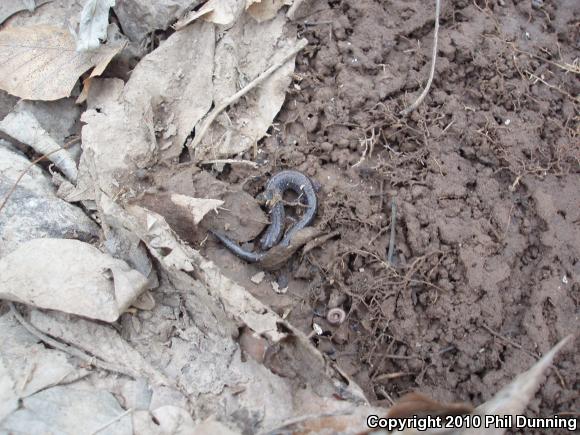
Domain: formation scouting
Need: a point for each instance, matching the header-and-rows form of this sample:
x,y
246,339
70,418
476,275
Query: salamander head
x,y
268,198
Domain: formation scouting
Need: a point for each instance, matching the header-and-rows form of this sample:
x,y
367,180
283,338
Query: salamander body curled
x,y
273,198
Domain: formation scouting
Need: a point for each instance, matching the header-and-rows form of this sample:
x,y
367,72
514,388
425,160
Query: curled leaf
x,y
24,127
198,207
93,24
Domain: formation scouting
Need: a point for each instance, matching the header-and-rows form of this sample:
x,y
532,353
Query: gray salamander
x,y
250,257
275,188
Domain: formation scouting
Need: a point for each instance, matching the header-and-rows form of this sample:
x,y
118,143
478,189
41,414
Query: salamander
x,y
272,196
250,257
275,188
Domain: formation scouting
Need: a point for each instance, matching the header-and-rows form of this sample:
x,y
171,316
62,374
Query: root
x,y
421,97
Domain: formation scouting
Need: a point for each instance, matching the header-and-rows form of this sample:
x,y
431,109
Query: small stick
x,y
65,348
389,376
230,161
392,238
405,357
517,346
419,100
381,389
508,341
263,76
30,165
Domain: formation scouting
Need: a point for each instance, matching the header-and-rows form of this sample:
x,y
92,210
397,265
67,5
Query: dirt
x,y
485,179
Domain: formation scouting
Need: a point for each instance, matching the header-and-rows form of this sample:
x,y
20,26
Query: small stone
x,y
258,277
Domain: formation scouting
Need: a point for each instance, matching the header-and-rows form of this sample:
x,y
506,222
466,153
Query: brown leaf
x,y
418,404
41,62
279,254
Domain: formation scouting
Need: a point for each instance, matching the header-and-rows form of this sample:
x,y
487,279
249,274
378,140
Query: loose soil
x,y
485,179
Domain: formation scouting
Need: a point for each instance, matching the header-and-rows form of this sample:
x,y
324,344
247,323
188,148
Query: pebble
x,y
258,277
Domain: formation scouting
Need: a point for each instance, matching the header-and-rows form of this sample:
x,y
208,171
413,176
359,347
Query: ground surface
x,y
485,176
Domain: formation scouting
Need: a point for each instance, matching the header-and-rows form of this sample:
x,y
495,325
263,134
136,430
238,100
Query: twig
x,y
385,394
113,421
263,76
405,357
508,341
517,346
30,165
230,161
568,67
563,92
389,376
392,238
419,100
65,348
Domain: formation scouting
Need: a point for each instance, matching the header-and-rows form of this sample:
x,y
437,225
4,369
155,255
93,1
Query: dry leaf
x,y
118,138
83,281
266,9
174,420
93,24
176,78
412,404
23,126
33,366
209,426
41,62
33,211
139,18
66,410
59,118
223,12
85,91
279,255
128,126
152,229
11,7
198,207
99,340
247,49
53,13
